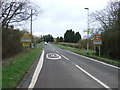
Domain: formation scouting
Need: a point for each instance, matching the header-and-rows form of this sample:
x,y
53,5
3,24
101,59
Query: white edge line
x,y
64,57
95,60
104,85
37,71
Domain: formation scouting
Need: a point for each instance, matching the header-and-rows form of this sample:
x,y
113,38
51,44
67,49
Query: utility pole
x,y
31,23
88,32
31,29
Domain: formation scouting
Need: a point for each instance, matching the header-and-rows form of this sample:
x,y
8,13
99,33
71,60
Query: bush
x,y
11,44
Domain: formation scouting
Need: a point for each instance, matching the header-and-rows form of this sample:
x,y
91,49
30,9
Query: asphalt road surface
x,y
64,69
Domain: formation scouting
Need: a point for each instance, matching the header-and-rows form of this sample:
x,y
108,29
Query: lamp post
x,y
31,30
87,31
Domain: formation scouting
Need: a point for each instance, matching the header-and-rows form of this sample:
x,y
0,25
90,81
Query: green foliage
x,y
48,38
61,39
84,52
111,35
58,39
69,36
111,44
11,44
83,43
72,37
109,20
64,47
37,39
77,37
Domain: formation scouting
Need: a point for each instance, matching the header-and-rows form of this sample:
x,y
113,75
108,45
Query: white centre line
x,y
64,57
37,71
104,85
95,60
56,51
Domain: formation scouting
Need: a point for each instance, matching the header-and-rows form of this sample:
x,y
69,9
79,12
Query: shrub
x,y
11,44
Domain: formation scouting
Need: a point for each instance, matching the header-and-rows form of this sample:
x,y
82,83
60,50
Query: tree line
x,y
109,21
59,39
70,36
15,13
48,38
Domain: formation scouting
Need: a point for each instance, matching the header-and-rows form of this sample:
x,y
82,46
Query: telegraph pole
x,y
31,23
31,29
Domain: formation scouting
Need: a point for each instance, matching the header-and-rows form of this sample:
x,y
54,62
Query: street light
x,y
87,31
31,30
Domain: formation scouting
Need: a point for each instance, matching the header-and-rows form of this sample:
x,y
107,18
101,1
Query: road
x,y
64,69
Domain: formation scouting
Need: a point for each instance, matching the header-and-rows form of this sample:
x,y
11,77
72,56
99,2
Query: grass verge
x,y
64,47
110,61
83,52
14,71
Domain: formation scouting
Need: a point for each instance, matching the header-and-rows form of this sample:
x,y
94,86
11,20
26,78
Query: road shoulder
x,y
24,83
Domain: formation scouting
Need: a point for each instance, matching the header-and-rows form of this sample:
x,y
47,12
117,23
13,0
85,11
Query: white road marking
x,y
37,71
57,51
53,56
64,57
95,60
104,85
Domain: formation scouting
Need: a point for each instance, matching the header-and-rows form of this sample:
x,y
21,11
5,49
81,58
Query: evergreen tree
x,y
48,38
61,39
58,39
77,37
72,37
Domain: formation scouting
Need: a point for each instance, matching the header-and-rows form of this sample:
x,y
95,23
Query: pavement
x,y
58,68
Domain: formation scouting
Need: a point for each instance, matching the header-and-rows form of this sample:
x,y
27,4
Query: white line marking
x,y
57,51
53,56
64,57
37,71
95,60
104,85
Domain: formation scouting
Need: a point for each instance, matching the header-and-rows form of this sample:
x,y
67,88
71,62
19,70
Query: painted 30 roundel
x,y
53,56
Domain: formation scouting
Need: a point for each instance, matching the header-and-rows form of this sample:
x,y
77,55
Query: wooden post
x,y
99,50
31,30
94,49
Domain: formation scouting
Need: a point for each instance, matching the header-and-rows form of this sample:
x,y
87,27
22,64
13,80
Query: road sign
x,y
97,40
88,31
97,37
25,44
26,38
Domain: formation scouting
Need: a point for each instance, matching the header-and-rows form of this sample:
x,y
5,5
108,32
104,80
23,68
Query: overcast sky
x,y
61,15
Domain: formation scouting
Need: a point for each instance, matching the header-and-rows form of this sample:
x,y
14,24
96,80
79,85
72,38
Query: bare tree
x,y
108,17
16,11
109,20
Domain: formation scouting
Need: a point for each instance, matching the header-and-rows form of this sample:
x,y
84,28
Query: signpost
x,y
26,39
97,41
